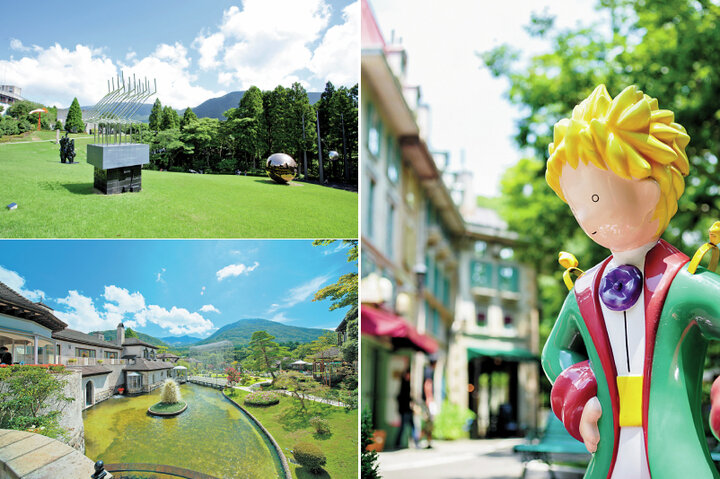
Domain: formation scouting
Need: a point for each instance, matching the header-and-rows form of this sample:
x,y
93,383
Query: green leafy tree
x,y
660,46
275,111
188,117
129,333
74,122
156,116
170,118
167,147
345,291
300,112
202,144
368,459
32,398
265,352
20,110
299,386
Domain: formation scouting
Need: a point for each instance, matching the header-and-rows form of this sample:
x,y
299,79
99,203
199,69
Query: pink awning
x,y
379,322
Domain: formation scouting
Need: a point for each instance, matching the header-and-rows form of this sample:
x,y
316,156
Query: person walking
x,y
430,407
405,408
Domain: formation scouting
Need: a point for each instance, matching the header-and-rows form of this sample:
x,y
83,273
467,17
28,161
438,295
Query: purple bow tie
x,y
621,287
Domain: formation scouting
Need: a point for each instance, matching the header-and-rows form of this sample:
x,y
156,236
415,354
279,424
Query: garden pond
x,y
212,436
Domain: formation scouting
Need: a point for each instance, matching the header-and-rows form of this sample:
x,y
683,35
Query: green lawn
x,y
289,425
164,408
57,201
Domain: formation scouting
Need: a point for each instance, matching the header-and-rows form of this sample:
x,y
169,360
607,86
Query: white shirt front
x,y
626,331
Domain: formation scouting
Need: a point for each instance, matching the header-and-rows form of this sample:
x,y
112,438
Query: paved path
x,y
466,459
24,455
223,382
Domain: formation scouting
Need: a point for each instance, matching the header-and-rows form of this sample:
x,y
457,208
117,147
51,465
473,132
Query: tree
x,y
345,291
129,333
188,116
660,46
299,386
300,111
156,115
233,377
74,122
32,398
170,118
265,352
368,460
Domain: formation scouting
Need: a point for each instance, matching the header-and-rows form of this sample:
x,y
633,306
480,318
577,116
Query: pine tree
x,y
156,115
188,116
74,122
170,118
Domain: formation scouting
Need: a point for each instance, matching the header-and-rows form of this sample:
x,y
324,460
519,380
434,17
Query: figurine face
x,y
614,212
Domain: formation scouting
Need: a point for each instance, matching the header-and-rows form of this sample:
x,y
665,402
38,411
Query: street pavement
x,y
466,459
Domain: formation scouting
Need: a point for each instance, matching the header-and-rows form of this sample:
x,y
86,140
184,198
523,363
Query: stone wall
x,y
105,385
71,418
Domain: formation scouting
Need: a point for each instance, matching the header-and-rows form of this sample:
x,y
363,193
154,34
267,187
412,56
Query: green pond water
x,y
212,436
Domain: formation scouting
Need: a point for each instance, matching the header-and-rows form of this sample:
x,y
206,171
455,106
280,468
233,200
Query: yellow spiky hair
x,y
629,136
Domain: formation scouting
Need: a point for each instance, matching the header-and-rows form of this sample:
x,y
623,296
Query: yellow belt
x,y
630,391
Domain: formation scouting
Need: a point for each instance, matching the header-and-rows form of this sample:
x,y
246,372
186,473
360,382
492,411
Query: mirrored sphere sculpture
x,y
333,155
281,168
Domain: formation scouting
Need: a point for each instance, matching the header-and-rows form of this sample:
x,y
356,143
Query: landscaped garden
x,y
56,200
333,430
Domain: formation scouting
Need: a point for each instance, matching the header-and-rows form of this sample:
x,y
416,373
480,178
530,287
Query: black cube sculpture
x,y
118,168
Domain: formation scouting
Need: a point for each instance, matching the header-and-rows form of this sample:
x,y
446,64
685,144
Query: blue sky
x,y
196,50
174,287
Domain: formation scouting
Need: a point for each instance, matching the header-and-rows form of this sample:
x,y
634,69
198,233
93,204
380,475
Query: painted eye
x,y
595,198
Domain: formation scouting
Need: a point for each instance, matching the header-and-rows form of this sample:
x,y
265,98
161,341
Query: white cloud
x,y
281,318
159,276
126,303
209,47
82,314
17,283
259,47
209,308
202,291
338,248
337,57
169,65
16,44
176,320
53,75
300,293
235,270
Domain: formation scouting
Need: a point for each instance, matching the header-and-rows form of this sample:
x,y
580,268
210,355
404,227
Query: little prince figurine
x,y
626,354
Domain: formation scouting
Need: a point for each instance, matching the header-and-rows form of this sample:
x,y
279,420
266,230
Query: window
x,y
111,355
482,314
480,248
374,131
370,207
508,278
84,353
389,230
393,160
481,274
508,321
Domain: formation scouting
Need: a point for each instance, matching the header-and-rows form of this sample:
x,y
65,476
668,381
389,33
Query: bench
x,y
555,440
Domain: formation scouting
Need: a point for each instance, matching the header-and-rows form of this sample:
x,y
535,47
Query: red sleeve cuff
x,y
571,390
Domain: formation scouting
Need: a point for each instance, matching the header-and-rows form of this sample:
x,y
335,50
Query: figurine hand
x,y
588,424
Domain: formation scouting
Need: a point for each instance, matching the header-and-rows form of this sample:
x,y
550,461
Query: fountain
x,y
212,437
171,403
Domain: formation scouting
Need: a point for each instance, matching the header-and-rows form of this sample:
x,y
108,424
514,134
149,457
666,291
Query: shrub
x,y
170,392
452,422
310,456
322,427
262,398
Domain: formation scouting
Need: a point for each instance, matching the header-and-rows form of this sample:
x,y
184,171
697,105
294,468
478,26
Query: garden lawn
x,y
289,426
58,201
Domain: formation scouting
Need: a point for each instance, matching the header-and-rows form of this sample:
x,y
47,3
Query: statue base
x,y
119,180
118,168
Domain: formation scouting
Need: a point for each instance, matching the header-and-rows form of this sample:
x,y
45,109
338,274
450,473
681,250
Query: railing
x,y
91,361
165,470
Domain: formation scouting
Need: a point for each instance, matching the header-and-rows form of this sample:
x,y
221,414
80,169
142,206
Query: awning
x,y
179,367
515,354
379,322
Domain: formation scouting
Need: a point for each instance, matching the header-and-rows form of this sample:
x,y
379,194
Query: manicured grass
x,y
289,426
56,200
166,408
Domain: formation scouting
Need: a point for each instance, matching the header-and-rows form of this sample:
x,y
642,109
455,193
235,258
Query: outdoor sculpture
x,y
67,149
117,160
626,354
281,168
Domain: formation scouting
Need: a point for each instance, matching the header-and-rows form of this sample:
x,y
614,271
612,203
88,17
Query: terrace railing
x,y
69,361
